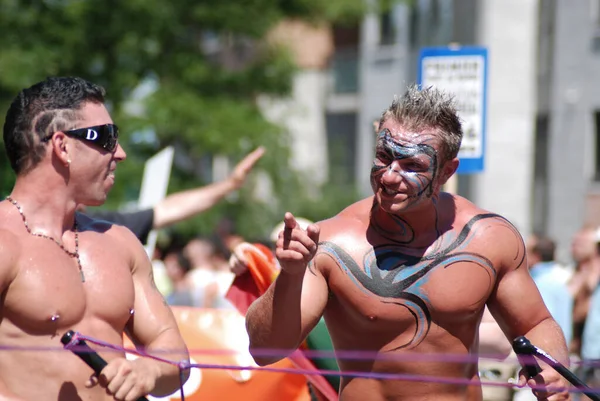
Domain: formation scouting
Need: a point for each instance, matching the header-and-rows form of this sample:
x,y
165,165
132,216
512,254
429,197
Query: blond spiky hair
x,y
428,109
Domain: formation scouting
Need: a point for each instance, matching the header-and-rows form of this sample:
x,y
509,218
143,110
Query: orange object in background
x,y
248,286
209,334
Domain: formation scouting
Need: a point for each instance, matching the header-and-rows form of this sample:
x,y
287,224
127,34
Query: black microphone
x,y
523,347
87,354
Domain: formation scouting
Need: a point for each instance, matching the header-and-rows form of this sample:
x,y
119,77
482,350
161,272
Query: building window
x,y
595,21
595,15
343,65
539,210
344,70
387,31
341,146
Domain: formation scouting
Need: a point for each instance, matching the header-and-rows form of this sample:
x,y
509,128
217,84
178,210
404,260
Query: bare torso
x,y
46,298
401,302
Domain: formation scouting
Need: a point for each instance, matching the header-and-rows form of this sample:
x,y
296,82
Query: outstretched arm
x,y
282,317
186,204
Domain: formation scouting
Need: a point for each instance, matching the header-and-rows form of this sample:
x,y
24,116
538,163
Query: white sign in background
x,y
464,77
157,172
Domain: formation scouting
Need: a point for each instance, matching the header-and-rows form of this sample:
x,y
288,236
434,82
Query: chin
x,y
94,202
405,205
392,207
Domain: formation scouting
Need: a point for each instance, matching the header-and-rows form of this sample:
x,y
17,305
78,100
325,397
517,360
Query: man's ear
x,y
448,169
60,147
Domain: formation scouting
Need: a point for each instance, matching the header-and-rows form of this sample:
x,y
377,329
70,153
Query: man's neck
x,y
418,228
45,203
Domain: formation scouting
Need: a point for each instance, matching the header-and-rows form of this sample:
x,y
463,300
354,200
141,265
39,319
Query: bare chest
x,y
48,293
393,289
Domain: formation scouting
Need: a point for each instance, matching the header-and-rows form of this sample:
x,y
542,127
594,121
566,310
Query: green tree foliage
x,y
204,62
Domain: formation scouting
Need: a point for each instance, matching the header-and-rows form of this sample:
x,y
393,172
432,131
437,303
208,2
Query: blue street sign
x,y
461,71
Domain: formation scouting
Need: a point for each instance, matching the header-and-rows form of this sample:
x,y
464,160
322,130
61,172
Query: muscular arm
x,y
517,305
186,204
153,326
519,309
282,318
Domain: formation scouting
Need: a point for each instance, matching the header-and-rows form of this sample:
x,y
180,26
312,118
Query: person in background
x,y
177,266
586,255
551,280
209,277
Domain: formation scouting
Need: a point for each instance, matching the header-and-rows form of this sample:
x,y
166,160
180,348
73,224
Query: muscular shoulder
x,y
343,235
352,218
494,234
115,233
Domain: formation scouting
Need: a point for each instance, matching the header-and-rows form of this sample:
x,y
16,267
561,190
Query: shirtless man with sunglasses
x,y
61,270
407,271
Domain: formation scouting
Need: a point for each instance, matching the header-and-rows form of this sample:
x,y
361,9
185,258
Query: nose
x,y
392,174
120,154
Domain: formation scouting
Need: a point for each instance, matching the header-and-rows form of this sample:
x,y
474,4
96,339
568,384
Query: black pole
x,y
87,354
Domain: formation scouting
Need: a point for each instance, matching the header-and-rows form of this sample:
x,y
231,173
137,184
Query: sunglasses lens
x,y
111,135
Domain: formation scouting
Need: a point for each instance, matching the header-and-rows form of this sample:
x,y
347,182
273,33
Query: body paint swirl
x,y
397,277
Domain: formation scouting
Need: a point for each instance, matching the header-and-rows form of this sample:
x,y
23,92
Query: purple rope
x,y
356,355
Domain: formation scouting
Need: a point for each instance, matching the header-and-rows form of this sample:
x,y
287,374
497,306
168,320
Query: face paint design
x,y
416,163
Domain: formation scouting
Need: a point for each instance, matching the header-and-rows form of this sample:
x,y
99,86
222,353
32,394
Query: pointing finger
x,y
290,221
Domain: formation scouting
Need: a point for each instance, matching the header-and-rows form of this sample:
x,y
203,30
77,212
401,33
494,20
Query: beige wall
x,y
311,45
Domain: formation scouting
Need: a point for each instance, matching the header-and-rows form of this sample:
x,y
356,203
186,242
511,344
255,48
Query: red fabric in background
x,y
247,287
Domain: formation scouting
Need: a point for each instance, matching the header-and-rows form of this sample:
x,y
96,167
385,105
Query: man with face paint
x,y
407,272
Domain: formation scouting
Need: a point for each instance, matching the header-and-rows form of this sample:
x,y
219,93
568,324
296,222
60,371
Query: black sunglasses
x,y
105,136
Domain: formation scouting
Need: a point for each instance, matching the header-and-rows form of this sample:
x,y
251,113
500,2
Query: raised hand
x,y
296,247
243,168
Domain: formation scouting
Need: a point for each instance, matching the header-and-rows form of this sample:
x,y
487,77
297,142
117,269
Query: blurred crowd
x,y
570,291
195,272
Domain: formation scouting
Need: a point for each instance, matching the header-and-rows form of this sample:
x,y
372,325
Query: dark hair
x,y
184,261
545,247
428,108
39,111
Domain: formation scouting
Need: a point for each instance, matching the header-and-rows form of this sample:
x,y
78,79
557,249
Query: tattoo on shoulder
x,y
312,268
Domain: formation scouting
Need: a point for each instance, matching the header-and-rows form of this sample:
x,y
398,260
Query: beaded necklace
x,y
71,254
